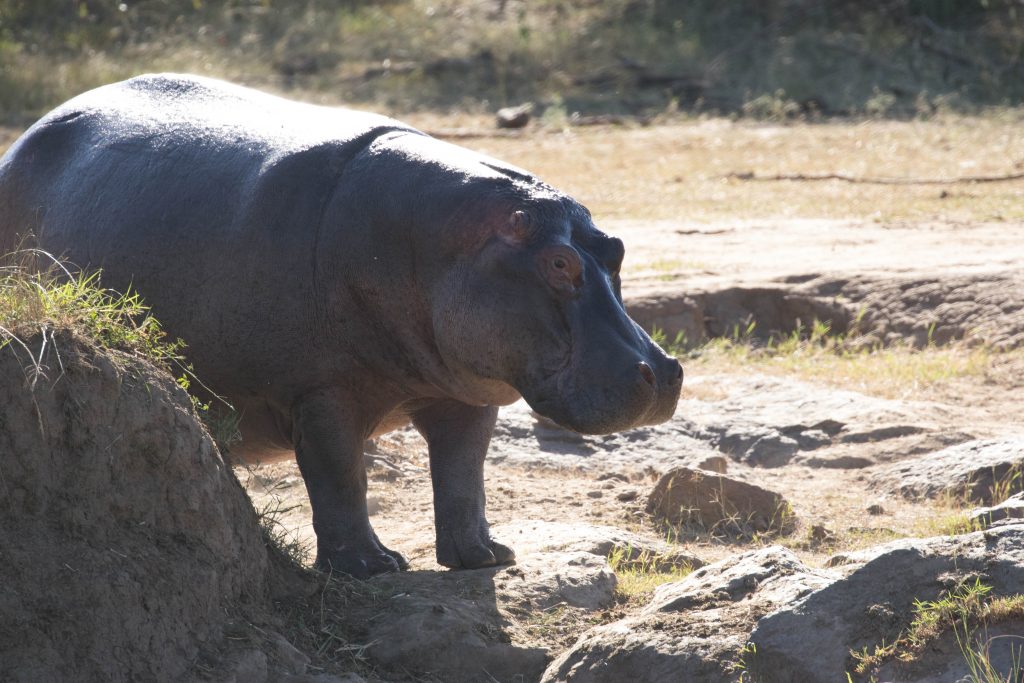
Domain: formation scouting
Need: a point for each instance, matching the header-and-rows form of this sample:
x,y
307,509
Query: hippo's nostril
x,y
646,372
677,376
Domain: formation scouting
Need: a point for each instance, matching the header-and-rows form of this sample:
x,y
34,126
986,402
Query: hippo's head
x,y
536,306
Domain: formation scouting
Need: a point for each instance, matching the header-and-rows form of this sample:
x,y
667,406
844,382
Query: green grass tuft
x,y
966,611
43,300
640,572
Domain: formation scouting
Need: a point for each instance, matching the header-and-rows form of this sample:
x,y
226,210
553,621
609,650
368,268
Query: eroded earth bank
x,y
788,524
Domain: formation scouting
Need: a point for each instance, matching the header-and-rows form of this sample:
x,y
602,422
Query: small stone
x,y
628,495
595,494
514,117
875,509
819,533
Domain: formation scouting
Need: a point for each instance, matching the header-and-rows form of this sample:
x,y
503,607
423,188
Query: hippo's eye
x,y
562,268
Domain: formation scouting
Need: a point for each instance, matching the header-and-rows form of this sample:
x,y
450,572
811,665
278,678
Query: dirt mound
x,y
127,545
985,307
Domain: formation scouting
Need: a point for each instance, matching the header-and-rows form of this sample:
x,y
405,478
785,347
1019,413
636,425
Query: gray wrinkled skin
x,y
336,274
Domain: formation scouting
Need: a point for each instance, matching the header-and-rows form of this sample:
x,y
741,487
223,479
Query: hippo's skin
x,y
336,274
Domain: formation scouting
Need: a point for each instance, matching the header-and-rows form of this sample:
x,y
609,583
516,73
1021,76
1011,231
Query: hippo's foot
x,y
360,562
471,550
399,559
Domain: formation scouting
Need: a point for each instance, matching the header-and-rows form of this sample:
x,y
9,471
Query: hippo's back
x,y
167,138
207,198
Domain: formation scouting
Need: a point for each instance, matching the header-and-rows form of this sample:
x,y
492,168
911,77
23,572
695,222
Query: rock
x,y
766,421
693,629
544,580
973,471
428,628
514,117
627,496
717,503
287,655
875,509
839,462
757,420
820,534
810,639
1009,509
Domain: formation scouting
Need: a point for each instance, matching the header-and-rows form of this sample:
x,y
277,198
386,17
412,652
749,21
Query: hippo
x,y
337,274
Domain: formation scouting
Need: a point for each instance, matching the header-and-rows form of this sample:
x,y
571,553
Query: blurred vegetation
x,y
766,59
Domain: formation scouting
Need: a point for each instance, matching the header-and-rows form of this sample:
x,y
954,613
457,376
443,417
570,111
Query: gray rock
x,y
436,633
544,580
1010,509
765,421
693,629
718,503
758,420
972,471
514,117
810,639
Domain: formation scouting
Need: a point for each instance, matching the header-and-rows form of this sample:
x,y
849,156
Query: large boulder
x,y
693,629
766,421
975,471
1010,509
718,503
810,639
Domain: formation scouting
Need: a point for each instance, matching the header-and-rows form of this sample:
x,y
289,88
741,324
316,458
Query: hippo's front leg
x,y
328,432
458,436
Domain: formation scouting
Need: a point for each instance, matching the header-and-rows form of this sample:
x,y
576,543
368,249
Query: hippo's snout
x,y
601,401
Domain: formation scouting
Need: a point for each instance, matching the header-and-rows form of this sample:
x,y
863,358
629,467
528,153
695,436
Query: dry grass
x,y
895,372
678,170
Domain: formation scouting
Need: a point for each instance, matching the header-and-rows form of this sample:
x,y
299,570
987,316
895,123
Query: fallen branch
x,y
749,175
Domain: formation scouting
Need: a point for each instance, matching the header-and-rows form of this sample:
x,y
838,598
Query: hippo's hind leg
x,y
328,433
458,436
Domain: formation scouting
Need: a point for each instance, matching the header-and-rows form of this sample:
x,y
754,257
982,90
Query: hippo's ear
x,y
518,229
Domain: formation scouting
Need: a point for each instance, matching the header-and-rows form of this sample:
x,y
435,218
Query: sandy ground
x,y
670,255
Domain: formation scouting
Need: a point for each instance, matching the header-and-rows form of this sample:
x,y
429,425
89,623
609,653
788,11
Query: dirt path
x,y
667,256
